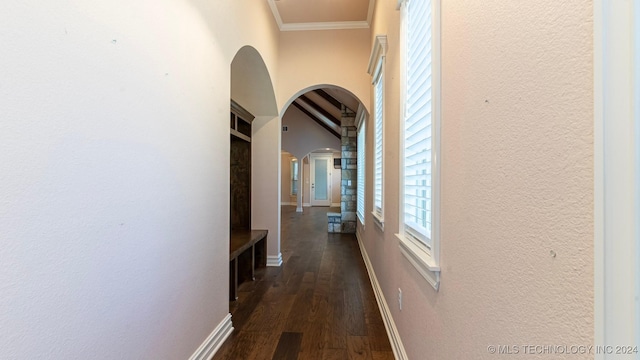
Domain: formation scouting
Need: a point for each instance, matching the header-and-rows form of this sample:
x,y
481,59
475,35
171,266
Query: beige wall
x,y
286,198
118,202
311,58
517,179
115,136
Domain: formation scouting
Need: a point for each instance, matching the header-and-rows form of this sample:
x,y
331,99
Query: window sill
x,y
421,260
378,220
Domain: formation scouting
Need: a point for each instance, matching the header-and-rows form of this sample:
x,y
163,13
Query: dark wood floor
x,y
318,305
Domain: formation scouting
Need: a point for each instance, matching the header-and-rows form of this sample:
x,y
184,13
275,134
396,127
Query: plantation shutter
x,y
418,123
361,171
377,176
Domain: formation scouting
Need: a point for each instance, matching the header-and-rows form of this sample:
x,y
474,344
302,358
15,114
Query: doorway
x,y
321,166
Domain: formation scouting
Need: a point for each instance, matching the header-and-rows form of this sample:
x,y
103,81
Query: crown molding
x,y
338,25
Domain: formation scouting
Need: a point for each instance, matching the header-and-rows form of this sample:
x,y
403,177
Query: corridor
x,y
318,305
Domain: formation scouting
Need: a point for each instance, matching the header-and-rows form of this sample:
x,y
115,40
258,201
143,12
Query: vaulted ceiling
x,y
292,15
323,105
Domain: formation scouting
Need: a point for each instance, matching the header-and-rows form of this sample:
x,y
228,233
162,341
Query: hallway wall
x,y
114,183
310,58
517,182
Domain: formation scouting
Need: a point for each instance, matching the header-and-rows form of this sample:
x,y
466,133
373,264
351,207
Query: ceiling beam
x,y
316,119
325,95
321,110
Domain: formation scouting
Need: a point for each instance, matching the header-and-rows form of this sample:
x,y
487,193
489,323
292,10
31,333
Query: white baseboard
x,y
274,260
299,209
213,342
389,324
306,205
335,204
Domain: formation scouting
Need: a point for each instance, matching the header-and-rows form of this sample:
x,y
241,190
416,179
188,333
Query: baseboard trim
x,y
213,342
306,205
389,324
274,260
299,209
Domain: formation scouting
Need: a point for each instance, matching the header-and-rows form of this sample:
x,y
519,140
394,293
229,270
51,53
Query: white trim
x,y
616,174
378,220
378,53
372,4
424,259
392,331
338,25
376,70
276,13
274,260
213,342
312,174
328,25
360,115
306,205
421,260
598,182
299,209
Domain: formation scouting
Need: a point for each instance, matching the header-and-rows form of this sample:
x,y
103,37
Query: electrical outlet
x,y
400,298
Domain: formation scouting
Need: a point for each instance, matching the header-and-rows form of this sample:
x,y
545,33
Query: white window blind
x,y
377,172
418,123
361,171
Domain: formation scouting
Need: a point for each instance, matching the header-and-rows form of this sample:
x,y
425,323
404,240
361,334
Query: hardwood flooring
x,y
318,305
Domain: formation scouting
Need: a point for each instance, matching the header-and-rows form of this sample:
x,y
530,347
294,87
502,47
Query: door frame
x,y
312,177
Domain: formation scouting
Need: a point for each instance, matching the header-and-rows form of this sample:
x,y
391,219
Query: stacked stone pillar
x,y
349,171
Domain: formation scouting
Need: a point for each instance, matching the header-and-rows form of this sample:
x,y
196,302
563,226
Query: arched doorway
x,y
252,89
319,127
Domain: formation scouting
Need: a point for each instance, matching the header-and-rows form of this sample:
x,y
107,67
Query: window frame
x,y
376,70
424,258
294,177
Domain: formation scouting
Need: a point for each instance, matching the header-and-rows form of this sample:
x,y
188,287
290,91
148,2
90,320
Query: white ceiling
x,y
292,15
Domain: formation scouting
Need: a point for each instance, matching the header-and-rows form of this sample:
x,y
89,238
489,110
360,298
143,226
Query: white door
x,y
321,180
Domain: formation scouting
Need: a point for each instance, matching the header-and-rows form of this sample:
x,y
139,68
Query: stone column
x,y
349,171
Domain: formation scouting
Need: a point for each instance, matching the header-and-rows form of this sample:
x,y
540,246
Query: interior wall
x,y
114,187
309,58
266,193
304,135
286,198
517,182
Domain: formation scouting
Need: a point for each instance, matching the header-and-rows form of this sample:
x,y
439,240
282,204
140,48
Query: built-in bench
x,y
247,251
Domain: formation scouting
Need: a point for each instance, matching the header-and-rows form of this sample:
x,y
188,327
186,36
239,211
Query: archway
x,y
324,117
252,89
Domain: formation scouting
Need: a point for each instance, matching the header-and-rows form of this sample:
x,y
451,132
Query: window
x,y
361,170
376,69
420,137
294,177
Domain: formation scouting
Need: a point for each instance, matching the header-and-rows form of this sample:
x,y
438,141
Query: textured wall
x,y
517,180
309,58
114,178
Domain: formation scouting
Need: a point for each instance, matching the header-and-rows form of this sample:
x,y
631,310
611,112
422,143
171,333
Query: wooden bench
x,y
247,250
